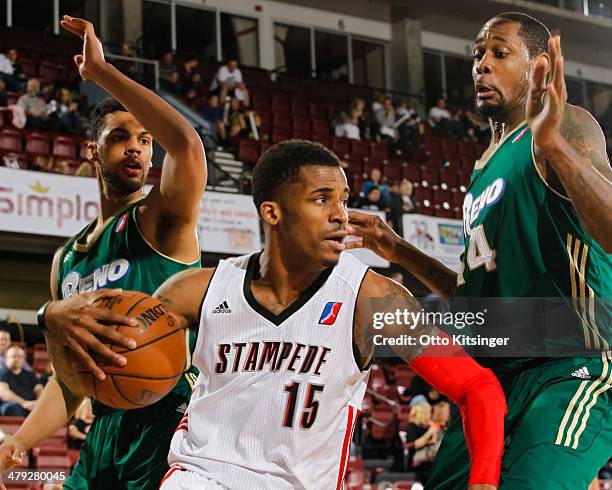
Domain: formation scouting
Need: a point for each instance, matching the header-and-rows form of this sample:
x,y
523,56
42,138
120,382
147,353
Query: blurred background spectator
x,y
439,118
229,82
62,113
33,104
19,388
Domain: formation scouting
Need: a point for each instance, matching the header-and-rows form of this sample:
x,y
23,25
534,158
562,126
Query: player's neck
x,y
284,273
500,127
111,205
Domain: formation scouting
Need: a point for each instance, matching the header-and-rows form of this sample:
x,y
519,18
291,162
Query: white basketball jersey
x,y
277,398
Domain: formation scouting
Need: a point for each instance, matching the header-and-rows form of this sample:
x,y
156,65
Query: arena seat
x,y
49,71
392,170
318,111
64,146
22,158
360,149
301,123
431,176
320,126
379,150
279,135
53,462
299,107
10,139
37,143
341,146
248,151
448,180
412,173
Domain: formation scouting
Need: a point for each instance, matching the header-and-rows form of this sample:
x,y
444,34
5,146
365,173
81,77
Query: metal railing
x,y
141,61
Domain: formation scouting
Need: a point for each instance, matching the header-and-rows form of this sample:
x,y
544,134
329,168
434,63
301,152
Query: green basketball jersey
x,y
118,256
523,239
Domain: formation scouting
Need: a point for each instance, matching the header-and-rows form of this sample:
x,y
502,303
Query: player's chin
x,y
330,258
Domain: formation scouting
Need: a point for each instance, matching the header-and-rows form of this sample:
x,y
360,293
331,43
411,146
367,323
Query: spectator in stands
x,y
33,104
80,424
385,117
229,82
373,200
43,378
3,94
376,180
421,436
62,113
19,388
402,202
5,344
42,163
213,113
240,122
195,83
167,66
441,414
60,166
126,67
348,126
408,122
85,170
11,71
439,118
172,84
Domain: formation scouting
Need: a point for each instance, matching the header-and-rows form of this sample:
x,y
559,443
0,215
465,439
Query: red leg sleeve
x,y
480,399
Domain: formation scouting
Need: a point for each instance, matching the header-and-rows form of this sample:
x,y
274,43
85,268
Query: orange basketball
x,y
153,367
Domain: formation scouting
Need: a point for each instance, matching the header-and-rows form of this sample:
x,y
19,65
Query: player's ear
x,y
546,59
92,152
270,212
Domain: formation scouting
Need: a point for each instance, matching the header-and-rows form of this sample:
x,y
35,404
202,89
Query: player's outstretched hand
x,y
92,58
78,323
11,454
374,234
546,100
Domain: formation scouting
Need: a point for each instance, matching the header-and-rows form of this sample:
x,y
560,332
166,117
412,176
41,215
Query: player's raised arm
x,y
570,140
184,172
183,294
474,389
377,236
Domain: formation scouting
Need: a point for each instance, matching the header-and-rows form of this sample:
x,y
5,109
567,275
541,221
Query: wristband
x,y
40,316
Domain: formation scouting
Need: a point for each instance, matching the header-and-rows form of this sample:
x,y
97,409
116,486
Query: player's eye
x,y
501,54
321,200
144,141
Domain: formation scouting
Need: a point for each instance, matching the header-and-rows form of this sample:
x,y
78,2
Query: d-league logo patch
x,y
330,313
222,308
121,224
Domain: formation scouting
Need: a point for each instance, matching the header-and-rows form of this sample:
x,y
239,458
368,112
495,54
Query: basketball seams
x,y
152,341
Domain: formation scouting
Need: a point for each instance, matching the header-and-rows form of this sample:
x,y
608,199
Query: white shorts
x,y
178,478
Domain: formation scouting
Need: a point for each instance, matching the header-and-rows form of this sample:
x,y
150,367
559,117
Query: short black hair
x,y
96,120
283,162
534,33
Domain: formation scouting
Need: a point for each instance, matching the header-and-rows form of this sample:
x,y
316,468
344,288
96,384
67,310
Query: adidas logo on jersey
x,y
222,308
182,408
583,372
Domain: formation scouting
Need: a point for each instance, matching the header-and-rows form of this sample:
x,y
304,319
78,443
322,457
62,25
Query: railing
x,y
139,61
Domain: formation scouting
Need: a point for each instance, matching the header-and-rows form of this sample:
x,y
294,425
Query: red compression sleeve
x,y
480,399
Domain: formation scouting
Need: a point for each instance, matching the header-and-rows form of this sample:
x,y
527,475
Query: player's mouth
x,y
132,167
485,92
336,240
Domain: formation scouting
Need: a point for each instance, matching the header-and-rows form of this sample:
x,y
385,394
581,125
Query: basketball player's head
x,y
505,51
301,193
120,148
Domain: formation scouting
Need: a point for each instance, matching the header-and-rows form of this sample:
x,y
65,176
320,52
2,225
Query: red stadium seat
x,y
37,143
279,135
423,193
261,103
64,147
392,169
318,111
457,213
442,212
324,139
28,66
280,105
369,165
248,152
320,126
360,149
412,173
457,197
383,423
432,177
302,135
281,121
448,145
301,124
299,107
49,71
10,139
53,462
340,146
441,196
83,151
379,150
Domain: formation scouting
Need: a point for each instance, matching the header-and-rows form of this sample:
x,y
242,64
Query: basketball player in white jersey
x,y
283,347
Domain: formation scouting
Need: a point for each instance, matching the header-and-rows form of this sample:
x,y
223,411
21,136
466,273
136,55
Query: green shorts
x,y
128,449
558,429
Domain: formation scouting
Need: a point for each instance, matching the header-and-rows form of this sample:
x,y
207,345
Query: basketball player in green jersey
x,y
136,243
537,222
